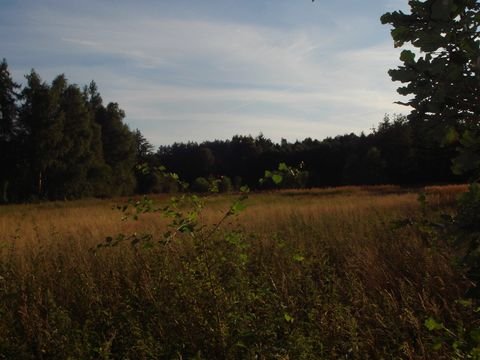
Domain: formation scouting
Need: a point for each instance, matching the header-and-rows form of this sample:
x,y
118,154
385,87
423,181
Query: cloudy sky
x,y
203,70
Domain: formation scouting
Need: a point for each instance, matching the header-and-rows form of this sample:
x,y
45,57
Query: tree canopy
x,y
443,70
58,141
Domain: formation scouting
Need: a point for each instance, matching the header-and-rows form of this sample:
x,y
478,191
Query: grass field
x,y
317,274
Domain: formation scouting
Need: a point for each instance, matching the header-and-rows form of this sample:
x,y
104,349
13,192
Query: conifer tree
x,y
42,124
8,129
118,148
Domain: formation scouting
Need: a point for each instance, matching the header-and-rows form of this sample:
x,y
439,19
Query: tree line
x,y
398,151
60,141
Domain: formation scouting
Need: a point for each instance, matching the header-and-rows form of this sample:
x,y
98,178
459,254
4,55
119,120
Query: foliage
x,y
466,232
464,340
201,185
397,152
60,142
468,159
119,148
461,231
8,129
368,169
445,81
225,185
286,176
8,101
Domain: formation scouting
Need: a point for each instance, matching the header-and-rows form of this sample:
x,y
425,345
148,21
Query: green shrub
x,y
467,233
201,185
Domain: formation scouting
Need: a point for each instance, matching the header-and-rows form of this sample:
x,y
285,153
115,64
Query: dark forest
x,y
60,141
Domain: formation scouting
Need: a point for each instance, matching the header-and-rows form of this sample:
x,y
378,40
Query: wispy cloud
x,y
199,74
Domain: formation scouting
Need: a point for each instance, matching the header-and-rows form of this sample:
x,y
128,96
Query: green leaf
x,y
440,9
465,302
268,174
288,318
475,335
148,245
451,136
469,139
407,56
245,189
243,258
277,179
298,258
237,207
431,324
282,167
466,161
400,34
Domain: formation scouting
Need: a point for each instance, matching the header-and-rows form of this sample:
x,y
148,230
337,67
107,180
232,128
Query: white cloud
x,y
201,127
220,78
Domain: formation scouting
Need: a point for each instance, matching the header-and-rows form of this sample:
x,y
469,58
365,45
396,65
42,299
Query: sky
x,y
190,70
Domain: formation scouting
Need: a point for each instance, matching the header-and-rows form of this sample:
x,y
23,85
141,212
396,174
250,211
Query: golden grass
x,y
90,221
329,259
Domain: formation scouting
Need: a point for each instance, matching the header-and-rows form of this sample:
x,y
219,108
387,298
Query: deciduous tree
x,y
442,71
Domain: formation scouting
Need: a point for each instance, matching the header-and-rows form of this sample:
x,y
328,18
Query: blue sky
x,y
203,70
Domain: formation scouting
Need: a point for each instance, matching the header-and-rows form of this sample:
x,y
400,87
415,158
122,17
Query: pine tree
x,y
8,129
42,123
118,148
79,153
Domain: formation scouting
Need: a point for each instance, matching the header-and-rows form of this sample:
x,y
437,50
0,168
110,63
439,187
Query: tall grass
x,y
320,274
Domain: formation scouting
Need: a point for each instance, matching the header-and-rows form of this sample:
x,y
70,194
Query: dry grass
x,y
312,274
94,219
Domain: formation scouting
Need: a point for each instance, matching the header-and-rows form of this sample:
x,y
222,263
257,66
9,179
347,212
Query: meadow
x,y
339,273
